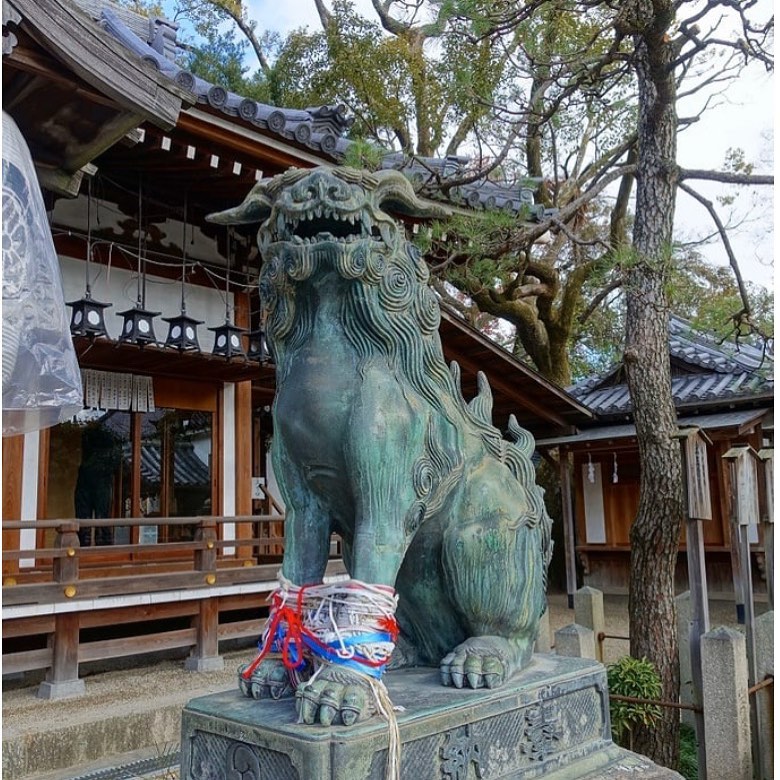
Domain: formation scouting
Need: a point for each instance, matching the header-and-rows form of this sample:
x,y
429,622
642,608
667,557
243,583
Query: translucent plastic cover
x,y
41,378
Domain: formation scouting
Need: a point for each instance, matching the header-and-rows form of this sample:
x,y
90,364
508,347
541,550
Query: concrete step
x,y
121,712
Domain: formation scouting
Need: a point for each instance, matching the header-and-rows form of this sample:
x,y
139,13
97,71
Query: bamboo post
x,y
698,507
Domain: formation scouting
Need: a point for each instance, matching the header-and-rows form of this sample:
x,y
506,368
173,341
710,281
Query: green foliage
x,y
220,59
146,7
363,154
708,296
637,678
689,757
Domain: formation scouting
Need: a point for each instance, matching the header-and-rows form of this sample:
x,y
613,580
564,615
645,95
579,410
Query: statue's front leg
x,y
282,662
384,441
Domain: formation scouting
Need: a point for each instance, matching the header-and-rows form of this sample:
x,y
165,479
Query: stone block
x,y
726,706
765,666
575,641
210,664
61,690
551,720
589,612
543,644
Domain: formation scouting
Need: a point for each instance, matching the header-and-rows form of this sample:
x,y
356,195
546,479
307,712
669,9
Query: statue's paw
x,y
337,695
270,680
479,662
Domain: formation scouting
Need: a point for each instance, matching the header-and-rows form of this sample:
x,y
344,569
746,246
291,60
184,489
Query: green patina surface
x,y
373,439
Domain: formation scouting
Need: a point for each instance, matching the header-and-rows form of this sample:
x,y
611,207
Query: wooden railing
x,y
71,571
164,595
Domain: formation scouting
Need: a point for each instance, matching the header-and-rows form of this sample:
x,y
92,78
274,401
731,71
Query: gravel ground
x,y
112,693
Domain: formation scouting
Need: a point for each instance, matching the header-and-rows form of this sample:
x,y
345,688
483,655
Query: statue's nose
x,y
321,187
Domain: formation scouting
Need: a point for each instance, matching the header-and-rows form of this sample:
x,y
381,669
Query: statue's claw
x,y
479,662
336,694
243,683
270,680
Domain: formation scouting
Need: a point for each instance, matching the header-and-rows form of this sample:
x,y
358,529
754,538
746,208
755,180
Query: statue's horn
x,y
255,208
395,193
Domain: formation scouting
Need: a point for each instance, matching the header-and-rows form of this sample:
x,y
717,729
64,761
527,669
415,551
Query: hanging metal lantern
x,y
258,347
183,333
228,342
138,323
227,338
183,330
138,326
88,315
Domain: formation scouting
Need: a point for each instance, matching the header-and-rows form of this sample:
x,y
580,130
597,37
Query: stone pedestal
x,y
551,720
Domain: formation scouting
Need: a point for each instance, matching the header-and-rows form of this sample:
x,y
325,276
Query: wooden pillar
x,y
733,537
205,655
568,526
243,476
743,461
13,454
698,507
767,512
62,678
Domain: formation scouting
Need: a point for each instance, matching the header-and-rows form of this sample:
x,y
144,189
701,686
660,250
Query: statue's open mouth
x,y
319,225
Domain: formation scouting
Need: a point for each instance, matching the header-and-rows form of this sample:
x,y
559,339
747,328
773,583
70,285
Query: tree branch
x,y
726,177
235,11
733,262
616,283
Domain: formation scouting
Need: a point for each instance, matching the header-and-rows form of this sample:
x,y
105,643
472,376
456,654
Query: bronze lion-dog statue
x,y
374,441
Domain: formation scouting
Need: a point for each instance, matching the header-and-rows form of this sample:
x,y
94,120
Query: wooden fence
x,y
70,605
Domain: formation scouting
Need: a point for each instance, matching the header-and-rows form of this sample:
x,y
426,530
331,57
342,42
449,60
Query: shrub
x,y
637,678
689,757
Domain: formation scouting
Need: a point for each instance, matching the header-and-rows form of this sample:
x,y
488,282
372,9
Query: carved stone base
x,y
551,720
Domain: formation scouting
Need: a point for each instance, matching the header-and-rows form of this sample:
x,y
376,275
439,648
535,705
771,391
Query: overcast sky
x,y
743,118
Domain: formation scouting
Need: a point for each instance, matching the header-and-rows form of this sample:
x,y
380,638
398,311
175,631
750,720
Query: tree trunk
x,y
655,533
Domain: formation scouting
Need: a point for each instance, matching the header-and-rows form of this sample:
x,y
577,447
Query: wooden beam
x,y
247,141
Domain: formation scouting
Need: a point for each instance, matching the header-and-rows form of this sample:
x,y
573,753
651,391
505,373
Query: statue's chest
x,y
315,399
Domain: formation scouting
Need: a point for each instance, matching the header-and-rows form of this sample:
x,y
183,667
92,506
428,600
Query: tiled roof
x,y
707,422
701,349
705,373
321,129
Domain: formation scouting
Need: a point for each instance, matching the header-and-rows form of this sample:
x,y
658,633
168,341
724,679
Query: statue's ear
x,y
255,208
395,193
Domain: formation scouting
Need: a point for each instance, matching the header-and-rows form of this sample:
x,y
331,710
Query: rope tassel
x,y
349,624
